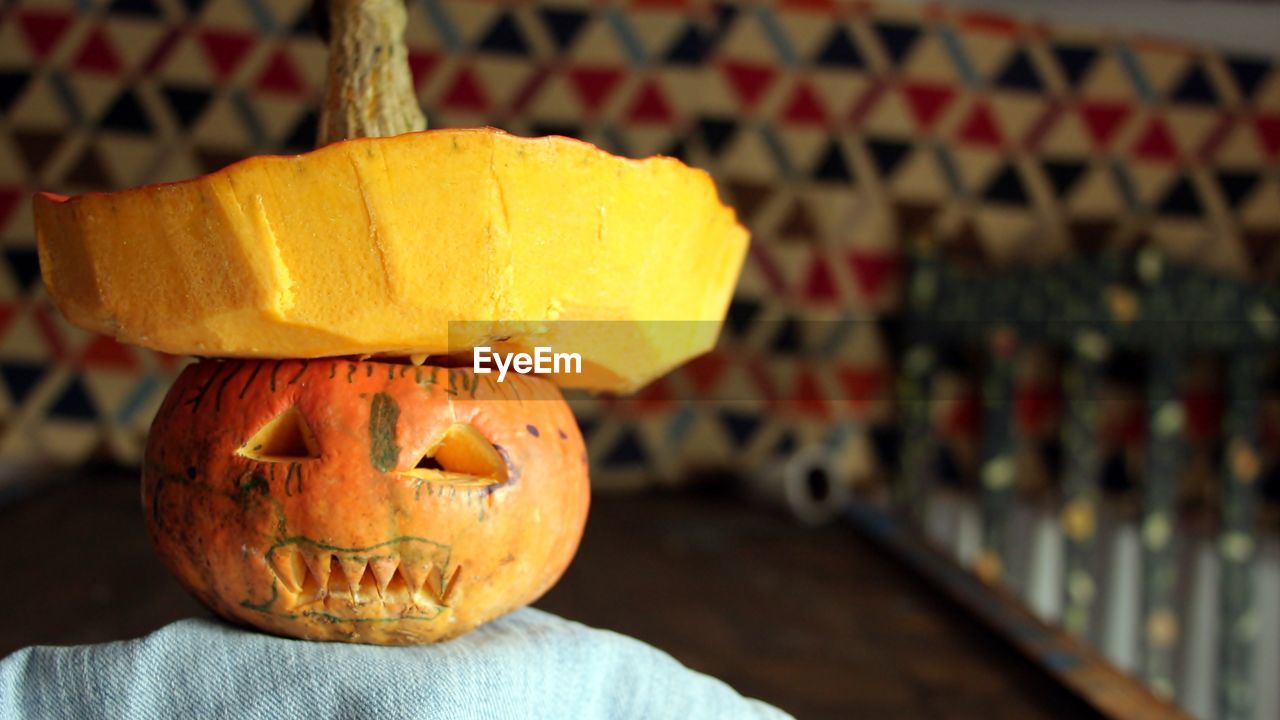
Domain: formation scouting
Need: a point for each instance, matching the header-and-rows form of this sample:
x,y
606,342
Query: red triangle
x,y
98,55
280,76
1155,143
652,397
7,311
9,199
809,395
421,64
927,101
650,105
1268,129
705,371
862,384
804,107
749,81
980,128
873,272
104,351
465,93
43,29
1103,120
225,49
594,85
820,286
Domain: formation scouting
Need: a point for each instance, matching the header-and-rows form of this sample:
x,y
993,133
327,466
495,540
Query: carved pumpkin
x,y
363,501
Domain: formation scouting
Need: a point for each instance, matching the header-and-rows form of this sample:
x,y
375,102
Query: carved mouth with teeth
x,y
402,579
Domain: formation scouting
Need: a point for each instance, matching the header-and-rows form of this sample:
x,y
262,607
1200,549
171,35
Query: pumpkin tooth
x,y
353,569
289,567
319,563
383,570
416,574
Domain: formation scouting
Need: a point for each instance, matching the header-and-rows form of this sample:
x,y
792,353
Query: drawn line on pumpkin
x,y
257,368
222,386
301,370
201,391
312,573
275,368
351,372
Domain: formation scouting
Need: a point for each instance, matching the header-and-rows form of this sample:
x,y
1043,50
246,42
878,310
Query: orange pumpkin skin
x,y
326,531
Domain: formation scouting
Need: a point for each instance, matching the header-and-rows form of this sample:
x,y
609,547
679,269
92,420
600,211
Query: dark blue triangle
x,y
1181,200
740,426
1236,186
1195,87
186,102
74,404
21,378
678,150
1075,61
832,166
12,83
1248,73
741,316
144,8
25,264
785,445
302,137
563,24
1063,175
587,426
1006,188
504,37
626,452
839,51
692,47
306,25
1020,73
716,132
126,114
898,39
887,154
788,341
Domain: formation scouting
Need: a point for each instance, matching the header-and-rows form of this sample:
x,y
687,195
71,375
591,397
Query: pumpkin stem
x,y
370,90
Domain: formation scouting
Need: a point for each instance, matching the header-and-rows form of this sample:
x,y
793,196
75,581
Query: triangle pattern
x,y
504,37
1248,74
563,24
1195,87
839,51
1020,73
21,378
897,38
1075,61
887,154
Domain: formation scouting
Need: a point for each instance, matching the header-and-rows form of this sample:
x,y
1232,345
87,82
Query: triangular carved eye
x,y
462,456
285,438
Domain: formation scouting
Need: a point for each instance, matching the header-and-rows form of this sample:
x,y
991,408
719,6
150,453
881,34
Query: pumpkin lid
x,y
425,243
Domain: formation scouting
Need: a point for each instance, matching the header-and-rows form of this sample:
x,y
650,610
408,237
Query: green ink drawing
x,y
383,450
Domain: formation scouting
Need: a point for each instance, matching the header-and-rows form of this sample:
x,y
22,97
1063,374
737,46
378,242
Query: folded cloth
x,y
529,664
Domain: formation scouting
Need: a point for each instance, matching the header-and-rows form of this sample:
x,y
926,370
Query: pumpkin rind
x,y
373,246
412,555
